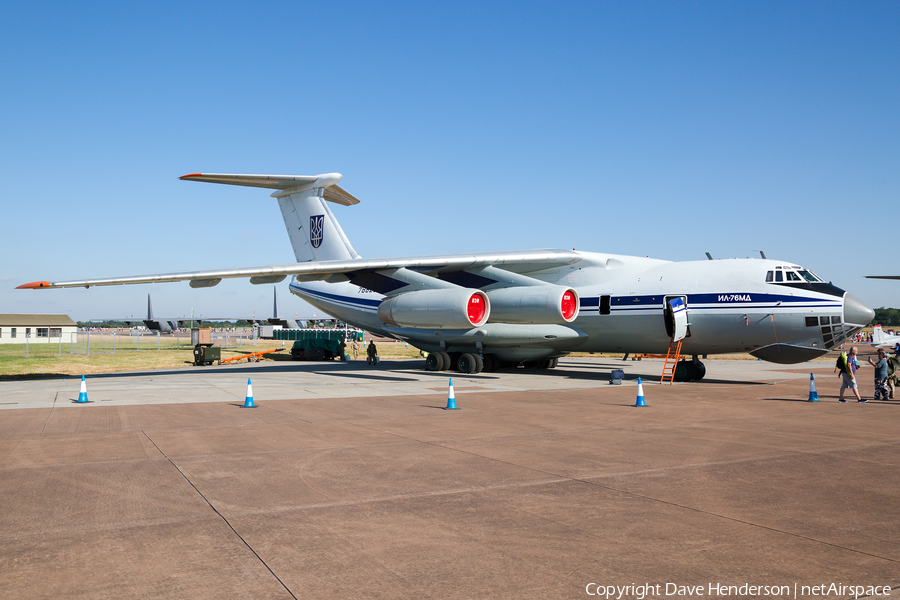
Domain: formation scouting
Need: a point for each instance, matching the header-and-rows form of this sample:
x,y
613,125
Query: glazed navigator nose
x,y
856,313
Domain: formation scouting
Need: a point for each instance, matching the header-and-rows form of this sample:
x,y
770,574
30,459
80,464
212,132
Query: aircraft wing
x,y
520,262
882,276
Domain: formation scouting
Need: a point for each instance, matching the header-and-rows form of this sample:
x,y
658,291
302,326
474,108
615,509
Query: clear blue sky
x,y
666,129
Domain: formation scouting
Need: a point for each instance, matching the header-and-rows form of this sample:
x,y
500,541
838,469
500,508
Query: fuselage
x,y
774,309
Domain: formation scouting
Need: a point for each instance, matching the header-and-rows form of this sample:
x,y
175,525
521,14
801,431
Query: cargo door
x,y
676,317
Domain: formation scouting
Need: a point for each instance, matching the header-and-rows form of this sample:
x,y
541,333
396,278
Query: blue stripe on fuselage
x,y
361,303
710,301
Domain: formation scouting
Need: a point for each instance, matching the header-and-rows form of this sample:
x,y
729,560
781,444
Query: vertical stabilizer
x,y
149,309
313,230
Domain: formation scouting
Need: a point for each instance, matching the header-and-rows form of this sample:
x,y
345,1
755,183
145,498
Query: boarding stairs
x,y
672,356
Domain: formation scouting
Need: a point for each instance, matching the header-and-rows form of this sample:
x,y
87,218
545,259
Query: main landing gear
x,y
468,362
471,362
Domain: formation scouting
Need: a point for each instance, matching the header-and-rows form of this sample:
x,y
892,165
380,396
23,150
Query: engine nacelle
x,y
436,309
544,304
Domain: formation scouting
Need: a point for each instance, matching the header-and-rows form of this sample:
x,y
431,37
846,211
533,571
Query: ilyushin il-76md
x,y
481,311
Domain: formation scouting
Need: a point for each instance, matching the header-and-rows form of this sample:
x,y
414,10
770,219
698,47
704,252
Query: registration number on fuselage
x,y
735,298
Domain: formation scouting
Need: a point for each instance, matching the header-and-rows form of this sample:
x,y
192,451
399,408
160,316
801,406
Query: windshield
x,y
809,276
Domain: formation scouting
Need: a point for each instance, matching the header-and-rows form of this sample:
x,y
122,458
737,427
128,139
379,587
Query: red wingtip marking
x,y
33,285
190,175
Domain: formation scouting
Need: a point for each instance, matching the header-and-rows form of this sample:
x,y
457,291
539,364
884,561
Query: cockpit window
x,y
809,276
791,276
769,276
778,277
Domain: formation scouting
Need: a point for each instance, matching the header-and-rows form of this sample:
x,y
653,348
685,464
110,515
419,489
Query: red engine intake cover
x,y
477,307
569,305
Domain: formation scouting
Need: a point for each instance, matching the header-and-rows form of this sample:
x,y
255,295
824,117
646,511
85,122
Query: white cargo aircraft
x,y
484,310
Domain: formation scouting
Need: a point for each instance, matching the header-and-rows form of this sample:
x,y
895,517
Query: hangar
x,y
36,329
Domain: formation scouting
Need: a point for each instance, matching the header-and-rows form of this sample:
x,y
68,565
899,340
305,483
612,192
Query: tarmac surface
x,y
349,481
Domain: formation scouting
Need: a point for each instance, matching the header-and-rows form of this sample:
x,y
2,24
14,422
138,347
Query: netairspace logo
x,y
719,590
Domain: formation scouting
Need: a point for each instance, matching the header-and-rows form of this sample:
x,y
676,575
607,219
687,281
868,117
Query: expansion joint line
x,y
47,420
221,516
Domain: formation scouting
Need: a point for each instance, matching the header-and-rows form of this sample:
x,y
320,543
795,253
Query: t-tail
x,y
314,232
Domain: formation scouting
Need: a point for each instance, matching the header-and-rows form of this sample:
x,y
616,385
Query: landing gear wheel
x,y
701,371
490,363
448,362
479,363
683,371
553,363
467,363
434,362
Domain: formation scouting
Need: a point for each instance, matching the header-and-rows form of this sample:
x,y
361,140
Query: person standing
x,y
893,370
881,375
848,365
371,353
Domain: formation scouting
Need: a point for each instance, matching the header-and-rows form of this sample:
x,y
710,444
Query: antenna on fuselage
x,y
709,256
762,254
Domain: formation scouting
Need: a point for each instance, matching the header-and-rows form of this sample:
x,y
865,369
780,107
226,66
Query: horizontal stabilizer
x,y
290,183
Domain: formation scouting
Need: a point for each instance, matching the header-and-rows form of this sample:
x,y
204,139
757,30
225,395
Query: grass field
x,y
44,359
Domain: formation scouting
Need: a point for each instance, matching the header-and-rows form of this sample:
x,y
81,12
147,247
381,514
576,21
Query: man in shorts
x,y
848,375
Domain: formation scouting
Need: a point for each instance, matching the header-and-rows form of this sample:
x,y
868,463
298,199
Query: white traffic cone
x,y
82,395
451,398
640,394
813,396
248,403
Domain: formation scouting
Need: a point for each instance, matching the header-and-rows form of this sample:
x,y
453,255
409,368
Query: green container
x,y
206,354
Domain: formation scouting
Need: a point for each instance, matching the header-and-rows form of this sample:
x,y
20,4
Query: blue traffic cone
x,y
248,403
813,396
82,395
451,398
640,394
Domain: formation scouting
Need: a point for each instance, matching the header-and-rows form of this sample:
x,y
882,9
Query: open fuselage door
x,y
676,317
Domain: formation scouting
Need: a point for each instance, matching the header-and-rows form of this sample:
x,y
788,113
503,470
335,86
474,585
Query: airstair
x,y
672,356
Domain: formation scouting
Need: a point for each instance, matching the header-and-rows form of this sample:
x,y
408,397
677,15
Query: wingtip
x,y
190,175
34,285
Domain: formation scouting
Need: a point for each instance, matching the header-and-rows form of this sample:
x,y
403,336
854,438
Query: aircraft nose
x,y
856,312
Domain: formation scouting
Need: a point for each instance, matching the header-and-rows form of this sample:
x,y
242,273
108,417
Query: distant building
x,y
36,329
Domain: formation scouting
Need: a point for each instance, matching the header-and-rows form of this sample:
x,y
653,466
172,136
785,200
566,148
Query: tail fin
x,y
314,232
149,309
877,334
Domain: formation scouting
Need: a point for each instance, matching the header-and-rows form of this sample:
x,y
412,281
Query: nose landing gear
x,y
690,370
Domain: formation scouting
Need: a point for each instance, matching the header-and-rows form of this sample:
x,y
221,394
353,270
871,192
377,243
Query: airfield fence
x,y
113,342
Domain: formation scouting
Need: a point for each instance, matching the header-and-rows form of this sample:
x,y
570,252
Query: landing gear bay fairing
x,y
484,310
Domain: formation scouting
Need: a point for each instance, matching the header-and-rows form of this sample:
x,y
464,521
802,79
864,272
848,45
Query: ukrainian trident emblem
x,y
316,230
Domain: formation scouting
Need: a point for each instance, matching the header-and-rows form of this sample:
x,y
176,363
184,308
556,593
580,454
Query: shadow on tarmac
x,y
385,371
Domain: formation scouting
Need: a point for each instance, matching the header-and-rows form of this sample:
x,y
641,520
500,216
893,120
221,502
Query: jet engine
x,y
544,304
436,309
